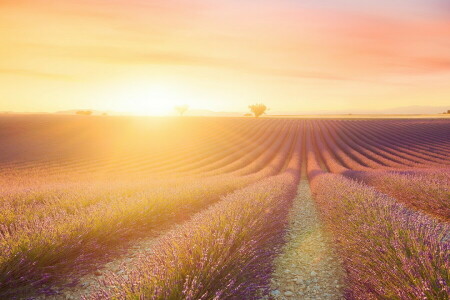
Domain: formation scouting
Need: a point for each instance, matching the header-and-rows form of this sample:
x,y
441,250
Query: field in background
x,y
367,116
78,191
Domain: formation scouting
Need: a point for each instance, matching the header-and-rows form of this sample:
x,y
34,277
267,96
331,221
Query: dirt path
x,y
308,268
92,282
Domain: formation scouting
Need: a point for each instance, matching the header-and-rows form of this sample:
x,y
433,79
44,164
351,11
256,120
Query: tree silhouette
x,y
258,109
84,112
181,109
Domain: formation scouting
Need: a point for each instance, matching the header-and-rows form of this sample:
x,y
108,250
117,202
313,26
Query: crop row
x,y
174,161
224,252
426,192
140,150
360,153
181,147
44,237
341,155
63,211
387,137
53,229
389,250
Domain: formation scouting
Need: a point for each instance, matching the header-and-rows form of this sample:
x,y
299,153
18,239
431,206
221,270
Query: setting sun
x,y
141,97
237,149
298,56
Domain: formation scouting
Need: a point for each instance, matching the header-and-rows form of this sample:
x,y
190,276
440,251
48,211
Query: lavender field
x,y
201,208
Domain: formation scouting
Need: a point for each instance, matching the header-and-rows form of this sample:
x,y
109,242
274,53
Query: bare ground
x,y
91,282
308,267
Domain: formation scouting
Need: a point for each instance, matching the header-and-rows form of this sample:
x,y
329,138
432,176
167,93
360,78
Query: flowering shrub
x,y
225,251
423,191
389,251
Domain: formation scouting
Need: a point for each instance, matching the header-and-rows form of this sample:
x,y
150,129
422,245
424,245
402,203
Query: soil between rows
x,y
307,268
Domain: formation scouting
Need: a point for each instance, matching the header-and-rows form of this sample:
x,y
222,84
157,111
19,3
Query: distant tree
x,y
258,109
104,114
181,109
84,112
248,115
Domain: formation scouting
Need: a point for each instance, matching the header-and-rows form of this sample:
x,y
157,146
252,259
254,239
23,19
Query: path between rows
x,y
307,268
91,282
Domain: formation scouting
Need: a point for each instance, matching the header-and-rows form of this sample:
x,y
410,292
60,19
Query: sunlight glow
x,y
144,98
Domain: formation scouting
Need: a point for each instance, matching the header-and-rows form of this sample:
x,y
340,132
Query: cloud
x,y
302,43
434,64
36,74
125,56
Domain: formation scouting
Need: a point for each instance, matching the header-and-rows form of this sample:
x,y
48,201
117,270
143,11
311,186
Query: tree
x,y
258,109
181,109
84,112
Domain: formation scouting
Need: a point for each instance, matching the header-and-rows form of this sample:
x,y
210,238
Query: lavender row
x,y
69,234
427,192
389,250
224,252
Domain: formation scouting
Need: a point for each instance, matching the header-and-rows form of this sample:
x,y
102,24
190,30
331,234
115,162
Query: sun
x,y
144,98
157,100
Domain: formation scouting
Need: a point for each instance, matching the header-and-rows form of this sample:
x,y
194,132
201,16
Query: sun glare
x,y
155,99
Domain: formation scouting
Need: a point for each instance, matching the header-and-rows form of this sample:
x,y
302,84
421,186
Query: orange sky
x,y
145,56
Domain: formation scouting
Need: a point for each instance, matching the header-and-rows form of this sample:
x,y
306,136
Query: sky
x,y
146,56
